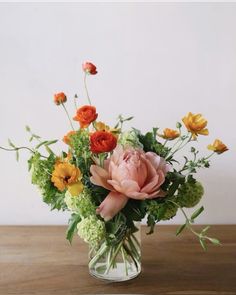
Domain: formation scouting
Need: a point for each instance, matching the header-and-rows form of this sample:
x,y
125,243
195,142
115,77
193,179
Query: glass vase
x,y
119,261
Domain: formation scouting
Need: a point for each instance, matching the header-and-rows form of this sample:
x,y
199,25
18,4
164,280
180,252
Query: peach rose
x,y
129,173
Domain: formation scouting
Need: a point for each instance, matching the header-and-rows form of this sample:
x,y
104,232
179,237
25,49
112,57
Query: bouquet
x,y
110,179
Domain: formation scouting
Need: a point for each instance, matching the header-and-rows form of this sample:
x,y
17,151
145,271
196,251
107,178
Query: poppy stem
x,y
86,88
67,115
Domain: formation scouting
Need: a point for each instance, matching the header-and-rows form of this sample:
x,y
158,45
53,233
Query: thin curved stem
x,y
181,145
86,88
68,116
20,148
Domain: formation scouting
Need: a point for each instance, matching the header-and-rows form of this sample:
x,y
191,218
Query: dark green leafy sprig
x,y
192,165
157,210
150,143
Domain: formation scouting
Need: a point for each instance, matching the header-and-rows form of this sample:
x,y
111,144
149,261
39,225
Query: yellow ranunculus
x,y
100,126
218,146
65,174
195,124
76,188
169,134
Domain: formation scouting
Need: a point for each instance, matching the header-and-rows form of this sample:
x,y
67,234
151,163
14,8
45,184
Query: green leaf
x,y
74,220
205,230
128,119
203,244
11,144
214,241
36,136
41,143
154,130
151,222
27,128
196,213
51,142
17,155
180,229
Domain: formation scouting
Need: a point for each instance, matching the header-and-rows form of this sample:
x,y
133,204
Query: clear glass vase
x,y
119,261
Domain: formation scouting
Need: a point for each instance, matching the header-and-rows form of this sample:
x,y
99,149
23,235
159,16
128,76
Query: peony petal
x,y
116,185
152,185
117,154
99,176
154,159
111,205
157,194
129,186
138,195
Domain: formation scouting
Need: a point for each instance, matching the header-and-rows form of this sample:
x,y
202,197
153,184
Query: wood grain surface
x,y
38,260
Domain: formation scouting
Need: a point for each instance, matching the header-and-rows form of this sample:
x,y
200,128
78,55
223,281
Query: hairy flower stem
x,y
181,145
67,115
86,88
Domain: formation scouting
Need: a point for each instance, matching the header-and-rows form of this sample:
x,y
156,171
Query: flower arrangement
x,y
109,179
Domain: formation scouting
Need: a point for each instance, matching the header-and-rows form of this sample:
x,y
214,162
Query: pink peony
x,y
128,173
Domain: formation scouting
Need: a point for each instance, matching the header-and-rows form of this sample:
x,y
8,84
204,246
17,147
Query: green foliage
x,y
134,210
116,228
72,228
81,152
172,182
192,165
150,143
158,210
41,176
196,213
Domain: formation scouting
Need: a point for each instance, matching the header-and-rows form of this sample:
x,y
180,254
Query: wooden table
x,y
38,260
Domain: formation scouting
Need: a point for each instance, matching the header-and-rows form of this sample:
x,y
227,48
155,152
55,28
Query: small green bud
x,y
178,125
193,150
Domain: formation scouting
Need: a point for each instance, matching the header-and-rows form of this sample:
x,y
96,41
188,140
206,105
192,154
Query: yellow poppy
x,y
169,134
65,174
218,146
196,124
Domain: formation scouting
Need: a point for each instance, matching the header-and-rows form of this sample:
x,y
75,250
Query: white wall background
x,y
155,61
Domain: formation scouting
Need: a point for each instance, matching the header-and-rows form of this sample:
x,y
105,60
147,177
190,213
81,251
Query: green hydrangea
x,y
190,194
130,138
82,204
170,211
162,211
91,230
